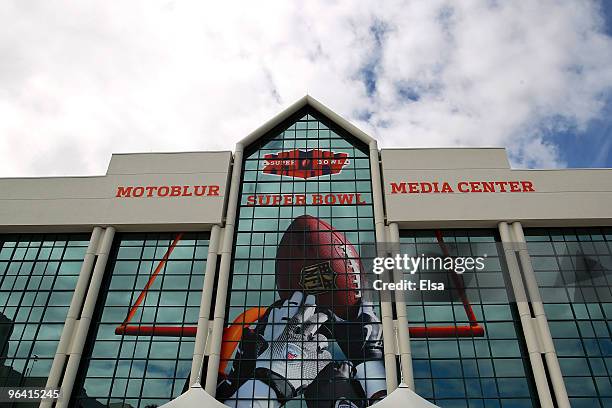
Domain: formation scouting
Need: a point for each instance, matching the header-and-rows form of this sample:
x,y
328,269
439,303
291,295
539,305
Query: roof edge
x,y
306,100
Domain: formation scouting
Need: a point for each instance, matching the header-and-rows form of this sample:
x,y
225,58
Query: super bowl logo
x,y
317,278
305,163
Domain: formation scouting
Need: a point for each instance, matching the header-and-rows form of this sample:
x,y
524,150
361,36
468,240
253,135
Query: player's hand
x,y
361,338
293,350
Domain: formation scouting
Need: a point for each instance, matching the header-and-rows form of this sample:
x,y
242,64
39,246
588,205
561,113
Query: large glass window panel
x,y
137,367
479,371
573,267
321,197
38,274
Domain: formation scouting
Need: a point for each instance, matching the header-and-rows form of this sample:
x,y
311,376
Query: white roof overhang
x,y
295,107
402,397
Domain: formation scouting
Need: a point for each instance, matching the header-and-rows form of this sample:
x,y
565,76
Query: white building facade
x,y
176,269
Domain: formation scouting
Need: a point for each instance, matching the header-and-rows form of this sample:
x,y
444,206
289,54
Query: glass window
x,y
473,370
38,274
136,354
573,267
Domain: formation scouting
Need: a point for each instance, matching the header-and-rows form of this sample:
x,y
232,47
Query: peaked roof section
x,y
404,397
316,105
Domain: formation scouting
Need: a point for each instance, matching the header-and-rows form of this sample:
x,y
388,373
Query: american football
x,y
315,258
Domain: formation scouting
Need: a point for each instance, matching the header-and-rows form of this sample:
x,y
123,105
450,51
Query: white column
x,y
550,354
80,335
73,313
212,370
207,292
402,318
385,307
533,349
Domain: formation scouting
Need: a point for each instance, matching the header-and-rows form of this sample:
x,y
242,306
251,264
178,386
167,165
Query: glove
x,y
293,351
360,339
335,387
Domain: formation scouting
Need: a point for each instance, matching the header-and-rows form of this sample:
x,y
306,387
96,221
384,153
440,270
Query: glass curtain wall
x,y
490,369
140,345
305,210
573,268
38,274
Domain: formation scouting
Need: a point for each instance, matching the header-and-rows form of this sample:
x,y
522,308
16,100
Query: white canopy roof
x,y
404,397
196,397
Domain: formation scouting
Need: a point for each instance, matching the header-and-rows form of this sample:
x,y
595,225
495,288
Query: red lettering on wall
x,y
124,191
346,198
330,199
175,191
150,190
488,187
527,186
305,199
138,191
426,187
462,187
398,188
165,191
501,185
446,188
199,190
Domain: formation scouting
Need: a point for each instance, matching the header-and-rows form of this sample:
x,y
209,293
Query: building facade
x,y
245,272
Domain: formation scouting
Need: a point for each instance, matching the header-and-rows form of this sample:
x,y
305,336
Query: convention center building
x,y
242,277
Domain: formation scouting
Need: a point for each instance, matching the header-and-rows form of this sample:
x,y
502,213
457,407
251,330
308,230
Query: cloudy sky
x,y
81,80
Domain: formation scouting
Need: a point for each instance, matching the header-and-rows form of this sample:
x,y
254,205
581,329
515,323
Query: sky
x,y
82,80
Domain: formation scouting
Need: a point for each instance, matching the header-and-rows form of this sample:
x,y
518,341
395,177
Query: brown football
x,y
316,259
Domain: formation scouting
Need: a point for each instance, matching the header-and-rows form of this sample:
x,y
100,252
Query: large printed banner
x,y
302,330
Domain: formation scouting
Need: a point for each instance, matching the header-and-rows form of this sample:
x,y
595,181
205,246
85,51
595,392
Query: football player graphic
x,y
321,341
288,355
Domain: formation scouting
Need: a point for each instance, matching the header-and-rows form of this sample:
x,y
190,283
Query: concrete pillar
x,y
385,307
207,292
402,318
73,313
80,335
541,323
533,349
212,370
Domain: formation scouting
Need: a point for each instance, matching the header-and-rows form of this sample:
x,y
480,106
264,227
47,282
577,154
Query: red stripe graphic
x,y
150,330
474,329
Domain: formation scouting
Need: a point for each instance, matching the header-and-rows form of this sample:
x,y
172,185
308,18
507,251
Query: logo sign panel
x,y
318,278
305,164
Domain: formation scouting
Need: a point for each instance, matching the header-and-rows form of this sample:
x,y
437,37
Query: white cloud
x,y
80,81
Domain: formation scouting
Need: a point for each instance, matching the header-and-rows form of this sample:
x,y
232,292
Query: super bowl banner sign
x,y
305,163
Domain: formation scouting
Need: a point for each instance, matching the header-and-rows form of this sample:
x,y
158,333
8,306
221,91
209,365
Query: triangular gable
x,y
303,105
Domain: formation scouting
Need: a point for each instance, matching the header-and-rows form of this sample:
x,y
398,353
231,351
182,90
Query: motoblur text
x,y
423,263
